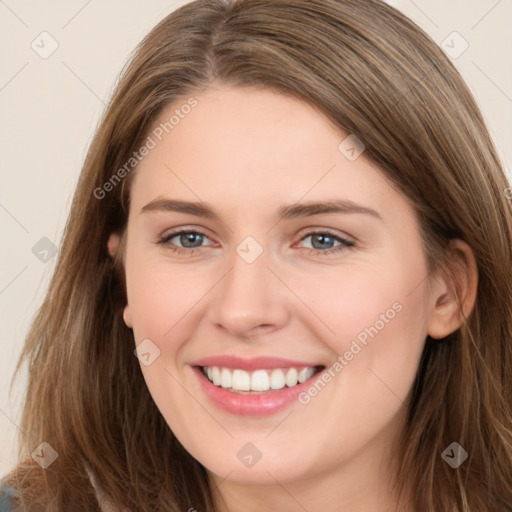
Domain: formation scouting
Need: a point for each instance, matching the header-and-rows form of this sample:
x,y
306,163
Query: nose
x,y
250,300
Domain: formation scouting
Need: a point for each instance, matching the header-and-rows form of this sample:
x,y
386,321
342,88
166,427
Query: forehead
x,y
248,148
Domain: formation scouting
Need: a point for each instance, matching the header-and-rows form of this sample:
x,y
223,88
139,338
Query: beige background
x,y
50,108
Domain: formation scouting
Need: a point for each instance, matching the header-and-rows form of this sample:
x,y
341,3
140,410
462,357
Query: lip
x,y
261,404
255,363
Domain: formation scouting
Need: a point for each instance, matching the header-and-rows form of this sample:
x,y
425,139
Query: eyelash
x,y
164,241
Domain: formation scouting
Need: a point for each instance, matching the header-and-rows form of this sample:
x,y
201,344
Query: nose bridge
x,y
249,272
250,295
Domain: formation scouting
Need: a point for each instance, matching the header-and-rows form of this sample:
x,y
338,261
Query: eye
x,y
190,240
322,242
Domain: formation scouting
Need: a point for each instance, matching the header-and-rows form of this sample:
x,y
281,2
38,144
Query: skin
x,y
247,152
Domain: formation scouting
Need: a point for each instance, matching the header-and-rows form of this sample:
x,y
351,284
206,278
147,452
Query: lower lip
x,y
262,404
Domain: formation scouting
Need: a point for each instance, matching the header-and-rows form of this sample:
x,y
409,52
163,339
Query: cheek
x,y
383,335
161,295
374,318
347,301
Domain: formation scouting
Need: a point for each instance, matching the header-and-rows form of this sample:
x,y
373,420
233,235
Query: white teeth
x,y
259,380
305,374
216,376
225,378
277,379
241,380
291,377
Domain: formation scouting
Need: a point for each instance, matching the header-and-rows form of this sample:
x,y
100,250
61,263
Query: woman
x,y
340,339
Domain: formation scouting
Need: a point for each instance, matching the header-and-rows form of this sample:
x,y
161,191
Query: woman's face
x,y
264,284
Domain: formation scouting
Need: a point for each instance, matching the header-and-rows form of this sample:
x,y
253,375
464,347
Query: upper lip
x,y
256,363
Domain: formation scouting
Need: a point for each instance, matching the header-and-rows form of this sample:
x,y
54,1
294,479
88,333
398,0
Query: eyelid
x,y
164,240
344,243
327,231
184,229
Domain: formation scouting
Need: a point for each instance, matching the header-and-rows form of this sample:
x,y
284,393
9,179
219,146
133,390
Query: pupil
x,y
322,239
189,238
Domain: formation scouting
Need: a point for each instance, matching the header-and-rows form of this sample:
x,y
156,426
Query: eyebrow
x,y
292,211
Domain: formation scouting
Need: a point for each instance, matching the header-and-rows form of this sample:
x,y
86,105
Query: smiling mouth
x,y
258,381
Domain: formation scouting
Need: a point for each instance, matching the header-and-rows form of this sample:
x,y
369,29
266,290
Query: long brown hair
x,y
374,74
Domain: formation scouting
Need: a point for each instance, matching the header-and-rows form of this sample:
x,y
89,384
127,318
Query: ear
x,y
113,244
127,317
454,295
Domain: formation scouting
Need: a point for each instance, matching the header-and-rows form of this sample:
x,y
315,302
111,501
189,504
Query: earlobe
x,y
127,317
455,296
